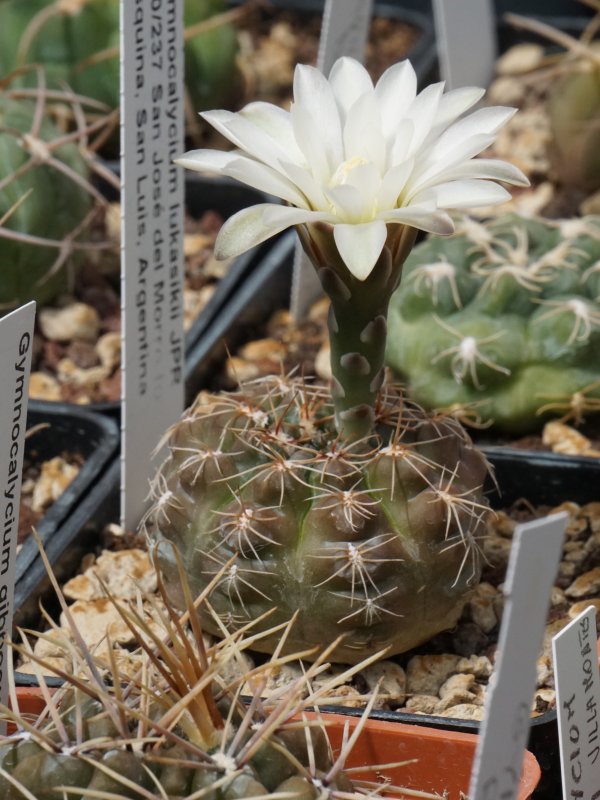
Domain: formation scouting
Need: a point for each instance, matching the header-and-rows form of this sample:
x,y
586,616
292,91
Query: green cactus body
x,y
62,42
100,767
78,44
212,78
573,108
50,204
43,773
501,319
377,544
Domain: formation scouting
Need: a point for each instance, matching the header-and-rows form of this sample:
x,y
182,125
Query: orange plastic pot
x,y
31,703
442,759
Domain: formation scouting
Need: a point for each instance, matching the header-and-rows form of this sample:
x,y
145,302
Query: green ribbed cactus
x,y
77,42
175,729
61,36
375,539
502,320
46,202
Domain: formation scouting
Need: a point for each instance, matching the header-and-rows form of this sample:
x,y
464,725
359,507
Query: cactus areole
x,y
353,506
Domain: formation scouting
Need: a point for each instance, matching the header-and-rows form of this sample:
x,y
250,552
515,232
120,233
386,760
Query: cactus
x,y
503,319
348,503
77,42
47,200
61,35
176,729
377,543
212,77
572,103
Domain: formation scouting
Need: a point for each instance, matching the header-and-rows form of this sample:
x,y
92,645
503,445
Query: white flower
x,y
358,157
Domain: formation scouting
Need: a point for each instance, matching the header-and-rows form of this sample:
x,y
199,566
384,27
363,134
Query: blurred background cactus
x,y
572,101
48,202
501,322
77,43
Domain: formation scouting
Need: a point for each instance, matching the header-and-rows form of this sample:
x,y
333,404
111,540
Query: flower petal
x,y
206,160
467,194
491,168
422,113
349,80
484,121
401,143
425,217
393,183
362,132
452,105
305,182
285,216
316,121
428,168
360,246
349,203
265,179
246,170
254,225
355,199
395,91
278,124
253,139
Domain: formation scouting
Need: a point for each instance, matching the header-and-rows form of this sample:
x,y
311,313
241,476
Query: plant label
x,y
16,338
344,32
578,706
152,129
466,41
532,568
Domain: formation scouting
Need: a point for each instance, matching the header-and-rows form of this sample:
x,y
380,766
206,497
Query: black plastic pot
x,y
541,481
423,54
91,437
202,194
530,7
264,290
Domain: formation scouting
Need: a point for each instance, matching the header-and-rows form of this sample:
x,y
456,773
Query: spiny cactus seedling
x,y
572,101
352,506
503,318
47,200
177,730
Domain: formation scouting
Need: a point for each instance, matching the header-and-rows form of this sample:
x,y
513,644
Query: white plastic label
x,y
152,238
16,338
532,568
344,32
466,41
578,706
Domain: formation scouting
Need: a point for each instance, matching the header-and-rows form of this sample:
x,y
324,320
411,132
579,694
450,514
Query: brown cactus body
x,y
376,539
